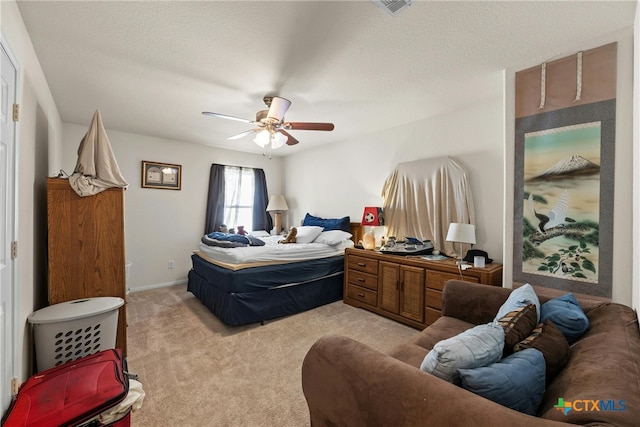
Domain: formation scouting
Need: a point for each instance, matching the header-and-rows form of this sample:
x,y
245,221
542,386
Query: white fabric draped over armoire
x,y
421,198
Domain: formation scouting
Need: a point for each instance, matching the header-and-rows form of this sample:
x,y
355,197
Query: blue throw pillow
x,y
565,312
479,346
520,297
328,223
517,381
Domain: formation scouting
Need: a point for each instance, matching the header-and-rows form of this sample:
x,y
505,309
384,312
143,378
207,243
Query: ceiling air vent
x,y
392,7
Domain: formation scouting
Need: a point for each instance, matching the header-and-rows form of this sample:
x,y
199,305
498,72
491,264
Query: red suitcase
x,y
73,394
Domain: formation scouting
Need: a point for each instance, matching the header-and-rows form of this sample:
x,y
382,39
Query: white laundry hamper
x,y
70,330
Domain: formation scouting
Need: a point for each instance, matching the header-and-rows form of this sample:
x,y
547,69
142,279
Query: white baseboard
x,y
156,286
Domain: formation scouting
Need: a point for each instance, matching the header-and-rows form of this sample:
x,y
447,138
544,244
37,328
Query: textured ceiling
x,y
152,67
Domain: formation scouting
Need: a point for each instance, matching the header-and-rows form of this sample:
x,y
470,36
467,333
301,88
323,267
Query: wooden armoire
x,y
86,247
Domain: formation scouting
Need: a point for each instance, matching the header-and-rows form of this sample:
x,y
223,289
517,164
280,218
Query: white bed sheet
x,y
274,251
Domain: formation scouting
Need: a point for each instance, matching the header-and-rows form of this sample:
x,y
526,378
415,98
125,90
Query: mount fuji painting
x,y
561,205
572,166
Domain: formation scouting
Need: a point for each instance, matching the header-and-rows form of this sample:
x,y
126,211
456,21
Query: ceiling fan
x,y
270,125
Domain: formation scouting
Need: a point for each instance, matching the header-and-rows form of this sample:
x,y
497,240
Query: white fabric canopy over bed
x,y
421,199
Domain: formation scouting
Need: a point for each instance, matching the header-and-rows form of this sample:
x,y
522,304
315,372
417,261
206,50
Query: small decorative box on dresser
x,y
406,289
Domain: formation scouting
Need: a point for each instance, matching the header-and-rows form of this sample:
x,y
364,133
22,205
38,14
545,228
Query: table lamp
x,y
277,204
461,233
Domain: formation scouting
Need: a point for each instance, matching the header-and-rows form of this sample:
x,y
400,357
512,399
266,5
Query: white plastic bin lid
x,y
76,309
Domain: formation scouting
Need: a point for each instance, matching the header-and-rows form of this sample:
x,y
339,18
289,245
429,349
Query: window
x,y
238,197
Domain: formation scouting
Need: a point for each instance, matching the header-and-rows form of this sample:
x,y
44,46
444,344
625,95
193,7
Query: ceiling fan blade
x,y
242,134
278,108
290,139
224,116
308,126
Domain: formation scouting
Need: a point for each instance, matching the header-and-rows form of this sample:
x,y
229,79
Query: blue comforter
x,y
226,240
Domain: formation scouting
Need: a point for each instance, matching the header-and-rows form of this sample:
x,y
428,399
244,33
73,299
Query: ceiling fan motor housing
x,y
261,116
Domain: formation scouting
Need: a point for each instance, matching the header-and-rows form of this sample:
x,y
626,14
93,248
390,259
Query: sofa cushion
x,y
604,366
517,325
565,312
517,381
414,351
551,343
520,297
479,346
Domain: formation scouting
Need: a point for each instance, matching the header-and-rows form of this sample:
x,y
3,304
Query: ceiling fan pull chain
x,y
543,84
579,77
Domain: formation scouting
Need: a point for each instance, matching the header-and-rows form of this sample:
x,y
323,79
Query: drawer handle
x,y
360,279
360,294
362,264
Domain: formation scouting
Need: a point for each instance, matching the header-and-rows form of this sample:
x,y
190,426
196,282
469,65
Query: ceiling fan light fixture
x,y
262,138
266,137
278,140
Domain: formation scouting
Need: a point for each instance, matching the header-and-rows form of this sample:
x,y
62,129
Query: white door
x,y
7,227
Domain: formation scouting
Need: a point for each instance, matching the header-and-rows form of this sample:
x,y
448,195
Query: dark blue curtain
x,y
215,200
261,218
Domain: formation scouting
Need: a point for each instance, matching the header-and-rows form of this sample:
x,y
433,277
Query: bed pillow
x,y
332,237
517,381
307,233
551,343
476,347
328,223
567,315
520,297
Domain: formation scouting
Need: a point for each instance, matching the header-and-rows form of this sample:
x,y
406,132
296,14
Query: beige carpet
x,y
198,372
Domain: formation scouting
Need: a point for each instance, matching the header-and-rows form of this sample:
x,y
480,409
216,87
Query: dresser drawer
x,y
436,279
364,280
432,315
434,299
364,295
363,264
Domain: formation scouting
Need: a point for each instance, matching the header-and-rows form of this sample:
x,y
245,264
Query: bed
x,y
251,284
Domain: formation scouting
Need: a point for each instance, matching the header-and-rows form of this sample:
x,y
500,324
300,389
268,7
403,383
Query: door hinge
x,y
16,112
15,386
14,249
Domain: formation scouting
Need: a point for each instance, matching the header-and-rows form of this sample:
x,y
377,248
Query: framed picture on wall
x,y
564,170
165,176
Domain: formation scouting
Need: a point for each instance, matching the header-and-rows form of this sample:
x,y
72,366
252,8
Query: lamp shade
x,y
461,233
277,203
278,107
372,216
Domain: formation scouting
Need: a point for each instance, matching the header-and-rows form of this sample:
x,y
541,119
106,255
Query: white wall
x,y
624,184
636,161
340,179
163,225
480,136
38,142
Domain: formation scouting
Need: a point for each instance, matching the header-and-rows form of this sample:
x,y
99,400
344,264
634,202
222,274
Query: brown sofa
x,y
347,383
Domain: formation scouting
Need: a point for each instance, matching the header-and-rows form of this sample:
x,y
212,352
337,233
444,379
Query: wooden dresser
x,y
86,247
406,289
